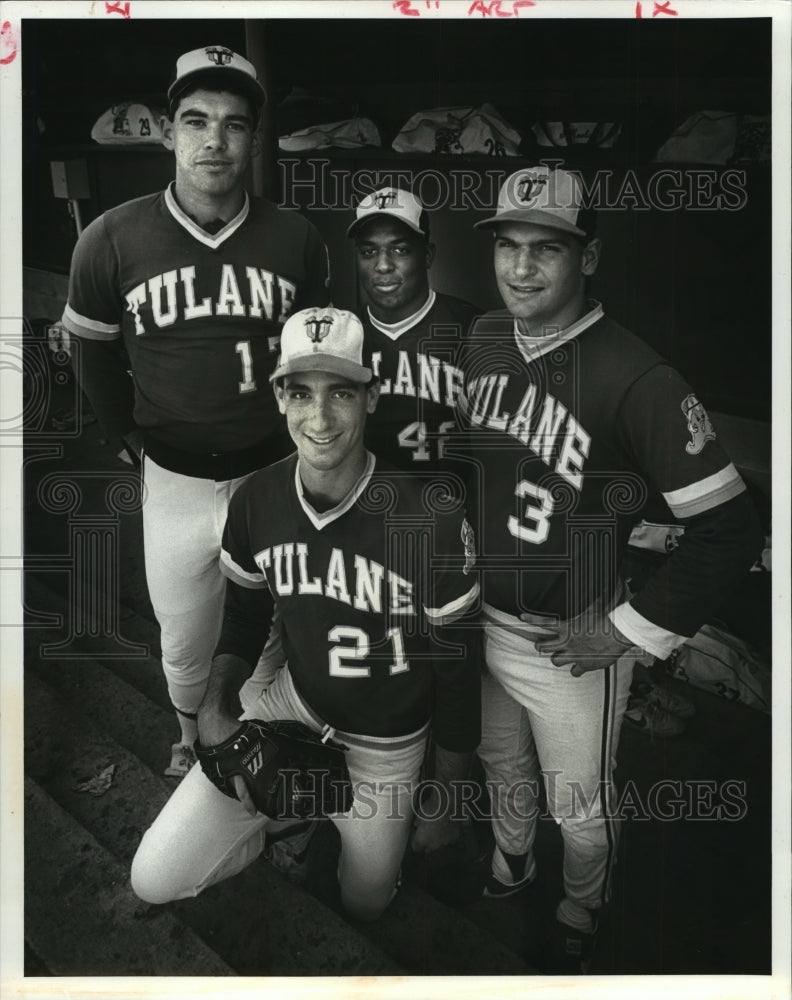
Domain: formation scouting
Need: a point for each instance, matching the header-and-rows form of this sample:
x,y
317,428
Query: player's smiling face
x,y
392,265
212,137
541,275
326,417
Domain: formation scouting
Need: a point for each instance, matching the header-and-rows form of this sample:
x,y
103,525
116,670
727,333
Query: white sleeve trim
x,y
706,493
452,610
91,329
230,569
643,633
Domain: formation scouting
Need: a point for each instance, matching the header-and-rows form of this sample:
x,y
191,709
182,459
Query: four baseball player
x,y
373,576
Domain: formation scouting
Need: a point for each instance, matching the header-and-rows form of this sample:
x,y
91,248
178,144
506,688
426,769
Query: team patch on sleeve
x,y
698,424
469,542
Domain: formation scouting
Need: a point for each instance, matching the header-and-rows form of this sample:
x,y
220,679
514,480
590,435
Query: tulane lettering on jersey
x,y
421,376
545,426
361,585
172,297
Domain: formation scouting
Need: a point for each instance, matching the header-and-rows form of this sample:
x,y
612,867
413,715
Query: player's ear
x,y
591,256
372,393
166,129
431,249
280,396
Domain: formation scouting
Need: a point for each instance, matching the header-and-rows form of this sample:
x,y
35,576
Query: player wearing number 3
x,y
412,331
572,420
361,563
197,282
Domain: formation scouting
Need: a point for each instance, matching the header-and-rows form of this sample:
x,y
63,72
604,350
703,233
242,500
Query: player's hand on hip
x,y
585,643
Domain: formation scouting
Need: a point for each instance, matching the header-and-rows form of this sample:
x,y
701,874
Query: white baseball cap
x,y
216,62
396,202
324,340
542,196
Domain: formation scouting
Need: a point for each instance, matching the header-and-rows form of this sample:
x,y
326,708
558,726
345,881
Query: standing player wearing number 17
x,y
197,282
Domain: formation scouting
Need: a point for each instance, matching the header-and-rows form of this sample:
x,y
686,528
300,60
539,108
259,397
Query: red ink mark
x,y
8,41
406,7
118,8
638,13
492,8
663,8
487,9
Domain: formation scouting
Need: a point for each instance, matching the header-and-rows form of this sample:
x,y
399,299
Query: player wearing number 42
x,y
368,570
412,331
196,283
572,420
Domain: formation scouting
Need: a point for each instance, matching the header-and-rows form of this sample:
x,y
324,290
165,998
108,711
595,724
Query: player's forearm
x,y
104,379
220,709
247,616
714,553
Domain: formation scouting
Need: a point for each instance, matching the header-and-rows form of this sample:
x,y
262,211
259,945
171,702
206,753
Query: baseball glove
x,y
290,773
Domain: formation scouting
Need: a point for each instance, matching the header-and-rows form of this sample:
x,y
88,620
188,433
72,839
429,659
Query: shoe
x,y
182,759
681,707
650,716
495,889
287,850
463,883
571,951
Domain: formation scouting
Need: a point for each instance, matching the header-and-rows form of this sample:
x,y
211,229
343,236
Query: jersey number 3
x,y
341,655
537,515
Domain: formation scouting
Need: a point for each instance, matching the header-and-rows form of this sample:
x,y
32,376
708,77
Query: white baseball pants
x,y
541,723
183,520
202,836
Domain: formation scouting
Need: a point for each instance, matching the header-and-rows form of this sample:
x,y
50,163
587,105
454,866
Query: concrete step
x,y
82,916
260,923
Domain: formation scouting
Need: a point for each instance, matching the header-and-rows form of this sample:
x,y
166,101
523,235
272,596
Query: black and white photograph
x,y
395,383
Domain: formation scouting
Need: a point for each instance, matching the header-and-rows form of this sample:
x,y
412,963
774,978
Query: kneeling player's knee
x,y
152,879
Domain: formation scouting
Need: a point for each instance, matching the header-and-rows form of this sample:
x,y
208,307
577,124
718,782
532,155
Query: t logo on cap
x,y
529,187
318,327
383,198
220,56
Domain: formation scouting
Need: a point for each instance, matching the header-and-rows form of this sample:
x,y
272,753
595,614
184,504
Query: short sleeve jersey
x,y
569,435
200,315
356,589
419,382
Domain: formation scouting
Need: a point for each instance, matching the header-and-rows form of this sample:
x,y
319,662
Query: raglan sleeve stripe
x,y
91,329
641,632
701,496
453,609
233,571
